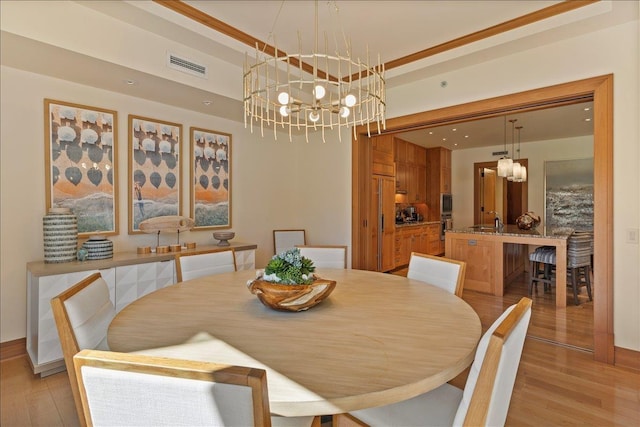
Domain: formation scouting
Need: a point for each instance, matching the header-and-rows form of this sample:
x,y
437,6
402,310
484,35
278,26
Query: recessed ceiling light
x,y
454,129
131,82
430,133
466,136
456,144
444,139
587,119
207,102
587,108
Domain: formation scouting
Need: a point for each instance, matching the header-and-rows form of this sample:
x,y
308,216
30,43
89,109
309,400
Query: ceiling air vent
x,y
186,66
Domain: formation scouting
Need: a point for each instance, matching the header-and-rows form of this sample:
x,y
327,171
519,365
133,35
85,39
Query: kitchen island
x,y
495,256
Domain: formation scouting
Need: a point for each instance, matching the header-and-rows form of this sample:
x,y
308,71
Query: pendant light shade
x,y
521,174
505,164
505,167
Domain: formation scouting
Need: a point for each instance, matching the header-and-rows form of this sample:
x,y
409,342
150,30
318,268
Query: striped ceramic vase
x,y
60,231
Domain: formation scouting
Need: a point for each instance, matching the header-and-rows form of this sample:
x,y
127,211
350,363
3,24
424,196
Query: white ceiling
x,y
392,29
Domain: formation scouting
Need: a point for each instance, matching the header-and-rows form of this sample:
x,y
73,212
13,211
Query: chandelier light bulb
x,y
319,91
350,100
314,116
283,98
344,112
284,110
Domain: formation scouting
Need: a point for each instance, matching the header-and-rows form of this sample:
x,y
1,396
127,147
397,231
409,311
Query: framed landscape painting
x,y
569,194
210,178
81,173
154,170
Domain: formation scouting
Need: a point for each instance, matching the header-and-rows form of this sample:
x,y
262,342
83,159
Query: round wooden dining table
x,y
377,339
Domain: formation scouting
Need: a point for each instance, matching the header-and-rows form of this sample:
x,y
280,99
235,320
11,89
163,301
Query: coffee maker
x,y
410,214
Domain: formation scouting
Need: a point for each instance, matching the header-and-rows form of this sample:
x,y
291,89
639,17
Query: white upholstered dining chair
x,y
326,256
191,266
486,395
288,239
120,389
439,271
82,314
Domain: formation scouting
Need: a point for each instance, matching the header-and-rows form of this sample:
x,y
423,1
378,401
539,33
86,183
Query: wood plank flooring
x,y
556,384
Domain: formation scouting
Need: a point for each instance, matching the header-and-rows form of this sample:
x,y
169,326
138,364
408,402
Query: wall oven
x,y
446,207
446,204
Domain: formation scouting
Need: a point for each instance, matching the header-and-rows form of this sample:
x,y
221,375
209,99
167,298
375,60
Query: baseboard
x,y
11,349
626,358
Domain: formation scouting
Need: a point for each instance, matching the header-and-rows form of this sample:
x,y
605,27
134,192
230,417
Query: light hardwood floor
x,y
556,384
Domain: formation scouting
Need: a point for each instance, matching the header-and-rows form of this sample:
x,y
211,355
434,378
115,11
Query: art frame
x,y
210,177
154,172
81,164
568,194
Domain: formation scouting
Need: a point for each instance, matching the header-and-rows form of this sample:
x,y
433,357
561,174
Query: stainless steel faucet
x,y
497,221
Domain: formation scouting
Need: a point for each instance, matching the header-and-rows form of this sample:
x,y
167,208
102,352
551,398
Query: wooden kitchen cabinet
x,y
411,171
439,178
382,224
382,155
402,175
422,238
433,239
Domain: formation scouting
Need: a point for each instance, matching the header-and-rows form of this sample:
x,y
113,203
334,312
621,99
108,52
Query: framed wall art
x,y
210,176
154,170
81,172
568,194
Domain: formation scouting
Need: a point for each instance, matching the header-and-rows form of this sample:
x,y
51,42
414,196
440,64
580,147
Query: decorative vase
x,y
291,297
98,247
60,235
528,221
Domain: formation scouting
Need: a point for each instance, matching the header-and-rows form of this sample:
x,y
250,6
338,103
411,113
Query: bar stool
x,y
579,250
541,261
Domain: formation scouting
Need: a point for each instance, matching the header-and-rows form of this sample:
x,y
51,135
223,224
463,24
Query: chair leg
x,y
547,275
574,284
587,278
533,274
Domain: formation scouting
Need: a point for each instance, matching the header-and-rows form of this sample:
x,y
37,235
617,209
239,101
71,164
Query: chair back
x,y
287,239
325,256
192,266
443,272
579,249
82,314
133,389
487,393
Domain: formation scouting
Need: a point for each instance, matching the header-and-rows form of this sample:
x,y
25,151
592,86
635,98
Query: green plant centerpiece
x,y
288,284
289,268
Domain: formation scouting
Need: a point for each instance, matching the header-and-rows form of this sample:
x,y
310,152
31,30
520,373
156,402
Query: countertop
x,y
416,223
40,268
513,230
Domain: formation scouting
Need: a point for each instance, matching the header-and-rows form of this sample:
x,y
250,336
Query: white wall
x,y
275,184
613,50
536,154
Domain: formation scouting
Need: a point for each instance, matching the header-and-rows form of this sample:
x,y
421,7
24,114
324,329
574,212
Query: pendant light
x,y
515,168
505,164
522,174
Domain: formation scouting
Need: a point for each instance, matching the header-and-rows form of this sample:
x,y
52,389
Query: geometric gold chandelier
x,y
313,91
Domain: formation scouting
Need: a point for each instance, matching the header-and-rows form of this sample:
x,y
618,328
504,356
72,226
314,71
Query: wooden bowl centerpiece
x,y
288,283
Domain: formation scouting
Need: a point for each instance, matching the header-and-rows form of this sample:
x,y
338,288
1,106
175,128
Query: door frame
x,y
600,90
524,193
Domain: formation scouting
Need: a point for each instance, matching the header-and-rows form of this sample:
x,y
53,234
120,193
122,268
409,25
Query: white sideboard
x,y
129,276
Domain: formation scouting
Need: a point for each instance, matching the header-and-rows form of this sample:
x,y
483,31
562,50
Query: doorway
x,y
495,195
600,91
